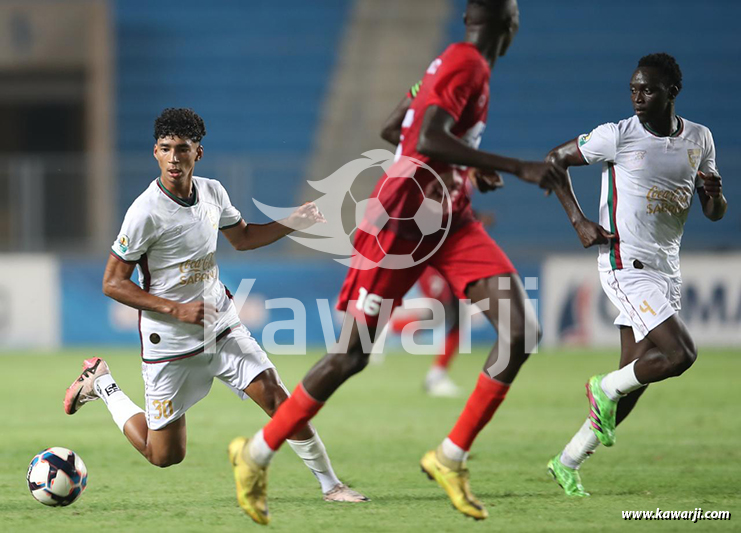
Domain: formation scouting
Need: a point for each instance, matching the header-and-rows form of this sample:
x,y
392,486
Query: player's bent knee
x,y
683,360
167,460
273,397
680,358
355,362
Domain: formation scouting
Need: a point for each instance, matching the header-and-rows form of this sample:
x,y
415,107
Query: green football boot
x,y
601,411
567,478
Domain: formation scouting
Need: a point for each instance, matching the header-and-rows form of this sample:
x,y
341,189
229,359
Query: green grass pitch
x,y
679,450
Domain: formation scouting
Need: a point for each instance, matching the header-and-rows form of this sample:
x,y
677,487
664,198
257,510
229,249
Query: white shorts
x,y
173,387
645,298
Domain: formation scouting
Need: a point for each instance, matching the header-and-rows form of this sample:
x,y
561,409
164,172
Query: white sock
x,y
436,373
120,406
620,382
314,455
259,450
452,451
580,447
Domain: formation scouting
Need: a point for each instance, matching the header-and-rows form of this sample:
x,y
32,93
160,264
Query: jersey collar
x,y
677,132
174,198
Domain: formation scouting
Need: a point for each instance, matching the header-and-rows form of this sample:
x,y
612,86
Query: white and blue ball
x,y
57,476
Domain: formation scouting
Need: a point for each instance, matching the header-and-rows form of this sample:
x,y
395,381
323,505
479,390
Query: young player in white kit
x,y
170,232
653,163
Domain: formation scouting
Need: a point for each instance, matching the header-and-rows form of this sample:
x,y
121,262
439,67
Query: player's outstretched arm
x,y
391,131
117,284
590,233
714,204
245,236
565,156
437,141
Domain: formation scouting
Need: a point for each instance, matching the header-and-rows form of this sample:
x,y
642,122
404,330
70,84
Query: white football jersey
x,y
648,183
174,246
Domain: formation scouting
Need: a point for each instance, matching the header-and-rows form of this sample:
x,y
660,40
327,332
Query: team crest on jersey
x,y
123,243
694,156
213,218
584,138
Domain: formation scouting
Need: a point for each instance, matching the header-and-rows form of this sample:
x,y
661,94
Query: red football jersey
x,y
458,82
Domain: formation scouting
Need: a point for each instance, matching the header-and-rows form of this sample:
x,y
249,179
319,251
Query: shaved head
x,y
488,11
492,25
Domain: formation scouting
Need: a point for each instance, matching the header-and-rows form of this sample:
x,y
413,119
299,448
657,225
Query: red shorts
x,y
433,285
466,256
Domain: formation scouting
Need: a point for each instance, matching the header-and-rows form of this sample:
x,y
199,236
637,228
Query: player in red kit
x,y
431,283
442,128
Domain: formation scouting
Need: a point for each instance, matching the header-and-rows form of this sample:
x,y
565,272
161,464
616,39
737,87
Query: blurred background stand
x,y
57,131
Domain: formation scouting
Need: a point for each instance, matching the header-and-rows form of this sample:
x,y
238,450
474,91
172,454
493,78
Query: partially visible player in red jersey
x,y
442,128
431,283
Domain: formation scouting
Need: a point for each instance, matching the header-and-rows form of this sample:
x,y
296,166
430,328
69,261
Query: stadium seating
x,y
262,96
260,93
564,75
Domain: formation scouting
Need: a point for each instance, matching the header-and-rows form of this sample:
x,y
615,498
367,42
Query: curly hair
x,y
179,122
666,65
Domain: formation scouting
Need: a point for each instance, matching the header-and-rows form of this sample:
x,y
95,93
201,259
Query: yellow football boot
x,y
455,483
252,482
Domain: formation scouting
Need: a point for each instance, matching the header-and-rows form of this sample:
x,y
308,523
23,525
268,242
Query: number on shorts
x,y
370,304
645,307
163,409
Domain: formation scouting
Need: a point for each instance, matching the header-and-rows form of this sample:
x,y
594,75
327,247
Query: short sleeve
x,y
599,145
707,163
137,234
454,84
230,215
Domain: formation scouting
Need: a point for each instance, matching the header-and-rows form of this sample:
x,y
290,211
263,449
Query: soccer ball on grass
x,y
57,476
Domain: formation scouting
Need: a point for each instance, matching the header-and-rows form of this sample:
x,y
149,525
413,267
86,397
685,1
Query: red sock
x,y
479,409
292,415
451,347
